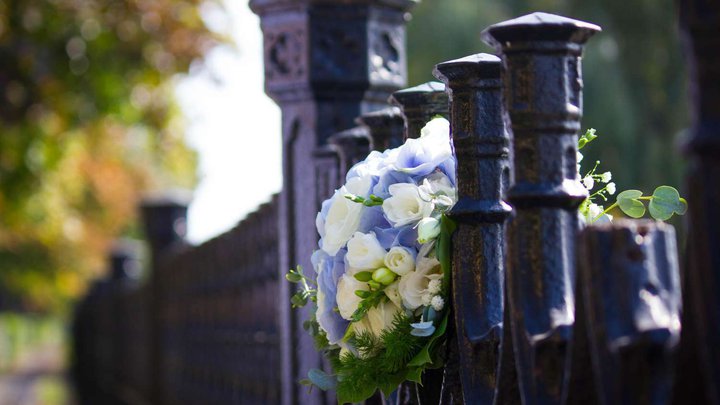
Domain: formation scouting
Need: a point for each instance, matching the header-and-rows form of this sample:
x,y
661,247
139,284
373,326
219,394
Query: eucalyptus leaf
x,y
629,203
422,325
321,379
665,202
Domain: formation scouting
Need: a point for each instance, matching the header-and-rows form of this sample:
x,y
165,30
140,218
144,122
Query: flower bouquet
x,y
382,268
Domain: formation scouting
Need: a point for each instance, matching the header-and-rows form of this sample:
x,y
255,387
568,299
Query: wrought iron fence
x,y
544,312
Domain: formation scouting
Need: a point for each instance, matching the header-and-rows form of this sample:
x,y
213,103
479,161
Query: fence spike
x,y
543,82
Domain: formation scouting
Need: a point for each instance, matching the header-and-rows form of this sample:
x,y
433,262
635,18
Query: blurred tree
x,y
87,123
633,72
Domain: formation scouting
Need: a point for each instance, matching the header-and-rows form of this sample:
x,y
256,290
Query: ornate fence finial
x,y
419,104
700,34
541,54
125,260
482,147
386,127
631,289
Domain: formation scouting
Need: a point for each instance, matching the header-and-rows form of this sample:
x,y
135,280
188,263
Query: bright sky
x,y
232,124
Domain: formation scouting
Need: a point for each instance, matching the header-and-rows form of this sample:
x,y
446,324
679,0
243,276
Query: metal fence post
x,y
541,54
419,104
631,290
700,31
482,147
165,222
325,64
386,128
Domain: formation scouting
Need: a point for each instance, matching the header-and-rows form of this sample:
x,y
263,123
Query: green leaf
x,y
414,374
298,300
362,393
321,379
363,276
629,203
588,137
665,202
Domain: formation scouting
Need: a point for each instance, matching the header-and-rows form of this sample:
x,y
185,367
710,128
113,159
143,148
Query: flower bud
x,y
383,276
428,229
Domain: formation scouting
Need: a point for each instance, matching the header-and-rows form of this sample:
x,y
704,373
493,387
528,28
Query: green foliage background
x,y
634,74
87,124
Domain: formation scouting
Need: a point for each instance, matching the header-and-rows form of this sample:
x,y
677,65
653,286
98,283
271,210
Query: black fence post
x,y
420,104
386,128
541,54
482,147
700,31
165,222
325,64
631,291
352,146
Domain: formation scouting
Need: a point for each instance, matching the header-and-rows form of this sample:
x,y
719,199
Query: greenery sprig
x,y
306,291
662,204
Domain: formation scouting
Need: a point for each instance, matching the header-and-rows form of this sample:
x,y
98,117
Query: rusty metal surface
x,y
482,147
631,291
543,82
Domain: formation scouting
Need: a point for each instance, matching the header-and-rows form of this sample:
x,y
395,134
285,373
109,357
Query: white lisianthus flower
x,y
436,127
343,217
405,205
589,182
365,252
377,319
428,229
414,285
347,301
400,260
610,188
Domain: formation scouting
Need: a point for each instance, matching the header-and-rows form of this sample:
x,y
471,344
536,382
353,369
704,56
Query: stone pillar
x,y
165,222
543,83
700,31
631,290
482,147
420,104
325,64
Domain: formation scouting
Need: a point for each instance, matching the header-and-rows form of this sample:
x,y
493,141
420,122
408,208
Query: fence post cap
x,y
479,65
383,117
262,6
537,27
167,198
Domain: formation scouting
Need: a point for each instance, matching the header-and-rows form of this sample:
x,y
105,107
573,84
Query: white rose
x,y
343,217
405,205
377,319
439,127
347,301
414,285
400,260
364,252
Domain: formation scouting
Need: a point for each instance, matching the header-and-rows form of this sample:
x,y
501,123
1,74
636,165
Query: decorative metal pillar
x,y
386,128
165,222
700,30
482,147
420,104
543,82
631,289
325,64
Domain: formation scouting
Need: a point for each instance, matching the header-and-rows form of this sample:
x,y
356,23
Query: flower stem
x,y
608,209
